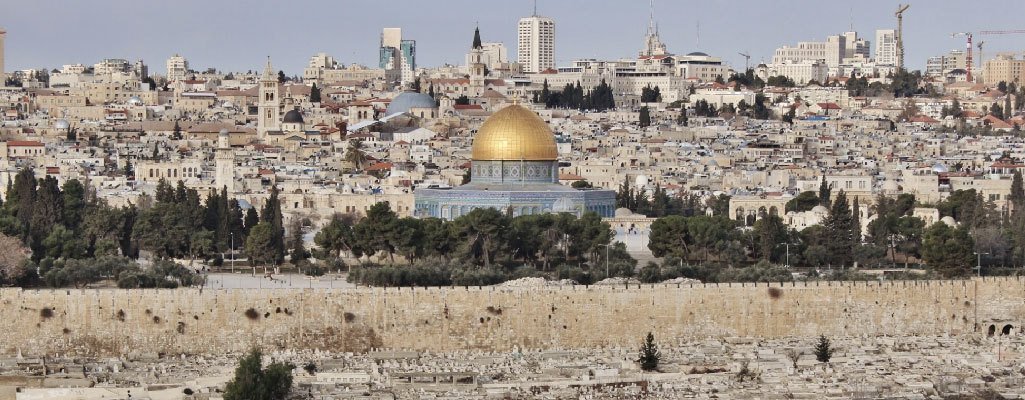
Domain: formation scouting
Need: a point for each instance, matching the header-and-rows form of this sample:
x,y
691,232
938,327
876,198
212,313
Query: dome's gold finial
x,y
514,133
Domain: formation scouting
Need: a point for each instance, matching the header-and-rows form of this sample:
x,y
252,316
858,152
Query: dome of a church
x,y
514,133
292,117
61,124
409,100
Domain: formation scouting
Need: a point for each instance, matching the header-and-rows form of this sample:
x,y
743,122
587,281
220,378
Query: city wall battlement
x,y
110,322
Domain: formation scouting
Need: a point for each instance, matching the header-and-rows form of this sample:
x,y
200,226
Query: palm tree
x,y
355,155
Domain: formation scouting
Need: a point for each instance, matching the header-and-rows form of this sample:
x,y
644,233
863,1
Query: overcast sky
x,y
238,35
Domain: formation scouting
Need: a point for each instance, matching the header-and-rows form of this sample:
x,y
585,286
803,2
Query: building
x,y
268,106
653,45
110,66
856,48
942,65
514,169
177,68
832,52
397,56
800,72
886,46
494,55
1003,68
535,45
224,159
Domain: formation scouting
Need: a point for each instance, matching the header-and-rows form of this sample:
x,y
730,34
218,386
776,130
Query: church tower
x,y
225,160
268,107
477,67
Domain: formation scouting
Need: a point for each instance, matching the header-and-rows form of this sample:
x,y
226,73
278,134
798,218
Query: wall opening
x,y
1007,330
992,330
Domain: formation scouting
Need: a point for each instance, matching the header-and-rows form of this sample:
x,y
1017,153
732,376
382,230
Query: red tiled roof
x,y
24,143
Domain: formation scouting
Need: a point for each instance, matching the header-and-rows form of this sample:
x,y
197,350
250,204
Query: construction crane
x,y
979,46
747,61
968,54
968,46
900,33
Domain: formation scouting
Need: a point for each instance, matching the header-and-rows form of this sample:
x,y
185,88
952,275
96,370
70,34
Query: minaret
x,y
268,106
477,67
225,160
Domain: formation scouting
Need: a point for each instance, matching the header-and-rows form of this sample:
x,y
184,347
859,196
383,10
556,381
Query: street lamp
x,y
788,251
978,265
232,249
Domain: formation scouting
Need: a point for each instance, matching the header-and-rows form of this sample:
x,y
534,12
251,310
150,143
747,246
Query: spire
x,y
652,28
268,72
476,38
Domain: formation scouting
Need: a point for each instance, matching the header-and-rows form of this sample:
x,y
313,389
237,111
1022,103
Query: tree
x,y
295,241
355,156
462,100
315,93
670,236
259,245
417,85
281,77
377,232
947,250
271,214
337,236
13,255
838,229
176,134
253,382
823,349
803,202
649,354
645,117
481,231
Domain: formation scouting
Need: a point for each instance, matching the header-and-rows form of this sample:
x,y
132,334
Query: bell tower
x,y
268,107
477,67
224,157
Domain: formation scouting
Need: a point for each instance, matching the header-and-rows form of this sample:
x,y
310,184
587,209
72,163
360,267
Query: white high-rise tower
x,y
535,45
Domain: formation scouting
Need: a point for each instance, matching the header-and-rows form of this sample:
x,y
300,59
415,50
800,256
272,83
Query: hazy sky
x,y
238,35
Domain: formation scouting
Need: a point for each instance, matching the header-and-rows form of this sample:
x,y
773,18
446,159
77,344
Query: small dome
x,y
223,132
698,54
623,212
409,100
641,181
134,101
940,168
292,117
61,124
820,210
228,104
949,221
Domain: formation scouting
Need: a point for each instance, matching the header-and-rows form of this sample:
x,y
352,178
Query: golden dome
x,y
514,133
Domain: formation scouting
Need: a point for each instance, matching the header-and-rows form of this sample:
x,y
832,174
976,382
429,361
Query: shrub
x,y
252,314
575,273
46,313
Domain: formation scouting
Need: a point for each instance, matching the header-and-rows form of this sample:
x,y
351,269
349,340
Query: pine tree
x,y
649,354
838,230
823,349
824,192
645,117
315,93
271,214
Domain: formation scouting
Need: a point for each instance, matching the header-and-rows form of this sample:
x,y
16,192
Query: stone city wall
x,y
193,321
